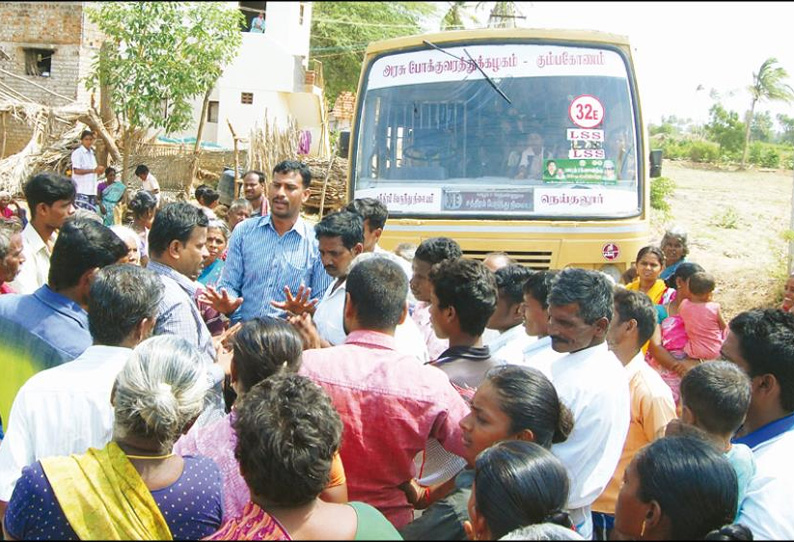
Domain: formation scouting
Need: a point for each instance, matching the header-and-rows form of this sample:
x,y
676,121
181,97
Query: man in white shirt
x,y
50,198
592,383
761,343
148,181
508,317
538,354
67,409
85,171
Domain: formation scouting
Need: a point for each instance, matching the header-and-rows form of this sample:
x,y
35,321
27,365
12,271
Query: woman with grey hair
x,y
675,248
130,238
135,488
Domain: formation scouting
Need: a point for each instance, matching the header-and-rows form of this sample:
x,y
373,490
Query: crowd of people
x,y
241,373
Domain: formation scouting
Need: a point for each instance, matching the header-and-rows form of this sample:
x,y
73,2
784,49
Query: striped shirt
x,y
260,262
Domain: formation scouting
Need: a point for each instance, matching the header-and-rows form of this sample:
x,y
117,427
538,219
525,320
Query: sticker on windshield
x,y
586,111
584,171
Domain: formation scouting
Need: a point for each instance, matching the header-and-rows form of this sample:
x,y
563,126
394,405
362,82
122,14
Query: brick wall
x,y
18,135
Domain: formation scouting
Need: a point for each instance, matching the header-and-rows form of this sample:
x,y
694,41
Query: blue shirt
x,y
767,432
260,262
37,331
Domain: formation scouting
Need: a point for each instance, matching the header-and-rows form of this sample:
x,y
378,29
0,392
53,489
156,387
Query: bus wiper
x,y
487,77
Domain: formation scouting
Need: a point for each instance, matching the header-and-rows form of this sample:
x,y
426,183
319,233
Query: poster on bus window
x,y
584,201
405,198
583,171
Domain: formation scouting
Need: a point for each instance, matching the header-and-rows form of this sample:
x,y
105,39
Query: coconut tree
x,y
503,14
455,16
768,84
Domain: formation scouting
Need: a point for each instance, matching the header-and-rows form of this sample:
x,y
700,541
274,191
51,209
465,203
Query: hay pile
x,y
335,170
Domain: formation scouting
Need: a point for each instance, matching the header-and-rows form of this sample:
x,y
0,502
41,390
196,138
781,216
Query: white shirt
x,y
509,346
594,385
405,265
767,509
34,272
150,185
83,158
421,317
540,355
329,319
61,411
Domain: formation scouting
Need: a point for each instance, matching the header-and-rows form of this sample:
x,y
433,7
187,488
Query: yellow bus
x,y
525,141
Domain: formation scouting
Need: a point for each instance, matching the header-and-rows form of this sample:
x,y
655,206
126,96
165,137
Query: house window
x,y
247,98
38,61
212,111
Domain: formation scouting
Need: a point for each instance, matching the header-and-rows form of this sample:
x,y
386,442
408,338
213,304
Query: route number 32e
x,y
586,111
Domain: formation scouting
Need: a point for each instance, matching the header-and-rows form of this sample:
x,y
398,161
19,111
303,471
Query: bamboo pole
x,y
3,148
236,161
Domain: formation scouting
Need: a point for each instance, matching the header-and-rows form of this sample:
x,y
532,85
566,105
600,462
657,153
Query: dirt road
x,y
736,222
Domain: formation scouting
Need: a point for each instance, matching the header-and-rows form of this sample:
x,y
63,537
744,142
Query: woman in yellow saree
x,y
134,488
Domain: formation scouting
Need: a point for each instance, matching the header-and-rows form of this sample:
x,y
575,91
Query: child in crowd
x,y
705,327
715,397
788,295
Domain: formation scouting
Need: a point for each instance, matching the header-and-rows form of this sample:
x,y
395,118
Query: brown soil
x,y
749,260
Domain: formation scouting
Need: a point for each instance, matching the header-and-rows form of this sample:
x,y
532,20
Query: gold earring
x,y
642,531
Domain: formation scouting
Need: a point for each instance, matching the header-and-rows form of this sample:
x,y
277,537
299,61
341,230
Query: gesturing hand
x,y
220,301
308,332
298,304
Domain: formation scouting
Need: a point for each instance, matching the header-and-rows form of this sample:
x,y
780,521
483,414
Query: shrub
x,y
703,151
728,219
661,189
770,158
754,152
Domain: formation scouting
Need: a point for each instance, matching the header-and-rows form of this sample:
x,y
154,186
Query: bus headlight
x,y
612,271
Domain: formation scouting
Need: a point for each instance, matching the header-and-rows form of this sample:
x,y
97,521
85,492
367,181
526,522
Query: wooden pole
x,y
3,148
236,161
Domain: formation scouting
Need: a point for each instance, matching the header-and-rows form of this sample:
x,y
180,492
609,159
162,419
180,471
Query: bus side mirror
x,y
344,144
656,163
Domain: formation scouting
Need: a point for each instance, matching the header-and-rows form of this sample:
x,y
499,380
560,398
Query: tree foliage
x,y
454,18
725,128
787,123
768,84
341,32
160,56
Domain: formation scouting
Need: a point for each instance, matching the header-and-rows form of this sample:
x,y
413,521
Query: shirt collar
x,y
185,283
32,238
471,353
62,304
369,337
299,227
767,432
635,364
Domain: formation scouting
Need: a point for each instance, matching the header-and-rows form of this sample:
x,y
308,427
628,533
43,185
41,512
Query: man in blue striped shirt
x,y
272,256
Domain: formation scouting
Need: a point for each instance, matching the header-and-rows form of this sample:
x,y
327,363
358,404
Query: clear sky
x,y
683,45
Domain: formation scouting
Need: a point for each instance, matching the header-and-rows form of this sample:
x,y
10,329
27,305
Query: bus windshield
x,y
435,138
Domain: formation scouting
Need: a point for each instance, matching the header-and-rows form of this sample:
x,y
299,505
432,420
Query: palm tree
x,y
768,84
453,19
503,14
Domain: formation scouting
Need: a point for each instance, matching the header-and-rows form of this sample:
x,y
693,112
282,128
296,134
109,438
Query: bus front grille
x,y
538,260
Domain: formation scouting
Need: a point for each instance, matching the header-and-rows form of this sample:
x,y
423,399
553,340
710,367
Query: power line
x,y
358,23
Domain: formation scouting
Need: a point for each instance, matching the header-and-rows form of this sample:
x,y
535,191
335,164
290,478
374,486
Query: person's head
x,y
375,294
761,343
83,247
374,213
535,141
262,348
239,210
649,264
580,309
405,251
509,311
123,305
515,484
178,238
674,244
633,323
680,278
253,186
159,393
217,238
11,256
536,302
497,260
514,403
715,397
551,168
542,531
340,238
143,206
428,253
287,434
628,275
289,189
130,239
5,198
110,175
142,172
463,297
701,286
788,293
50,197
676,488
87,138
207,196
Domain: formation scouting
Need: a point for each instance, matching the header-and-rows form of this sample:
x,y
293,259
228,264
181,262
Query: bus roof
x,y
563,35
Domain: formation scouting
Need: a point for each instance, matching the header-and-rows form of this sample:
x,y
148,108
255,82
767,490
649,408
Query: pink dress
x,y
701,321
674,339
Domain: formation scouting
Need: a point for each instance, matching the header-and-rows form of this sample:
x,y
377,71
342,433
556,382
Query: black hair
x,y
537,286
264,347
47,188
683,272
206,195
85,133
175,222
345,224
718,393
370,209
518,483
287,434
469,287
438,249
83,244
637,306
510,282
735,531
290,166
110,170
122,295
142,203
377,288
590,290
695,485
531,402
141,169
702,283
260,174
651,249
766,343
